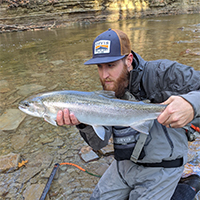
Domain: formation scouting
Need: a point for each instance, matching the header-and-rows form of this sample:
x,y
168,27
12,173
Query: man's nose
x,y
105,73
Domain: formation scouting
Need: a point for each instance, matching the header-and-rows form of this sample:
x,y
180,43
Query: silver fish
x,y
98,109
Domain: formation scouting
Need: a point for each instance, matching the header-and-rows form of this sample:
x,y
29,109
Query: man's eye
x,y
99,66
110,65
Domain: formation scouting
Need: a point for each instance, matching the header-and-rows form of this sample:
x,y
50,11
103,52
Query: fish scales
x,y
93,108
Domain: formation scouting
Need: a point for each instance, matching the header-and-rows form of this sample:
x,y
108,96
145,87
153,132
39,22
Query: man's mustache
x,y
107,79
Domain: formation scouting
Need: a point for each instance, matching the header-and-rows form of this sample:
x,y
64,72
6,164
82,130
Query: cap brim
x,y
100,60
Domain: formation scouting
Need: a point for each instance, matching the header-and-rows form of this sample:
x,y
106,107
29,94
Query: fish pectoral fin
x,y
143,127
100,131
48,119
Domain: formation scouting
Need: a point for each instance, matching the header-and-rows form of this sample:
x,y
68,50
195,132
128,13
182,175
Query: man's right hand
x,y
64,117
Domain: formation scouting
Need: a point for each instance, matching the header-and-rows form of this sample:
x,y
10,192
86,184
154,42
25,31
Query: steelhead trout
x,y
98,109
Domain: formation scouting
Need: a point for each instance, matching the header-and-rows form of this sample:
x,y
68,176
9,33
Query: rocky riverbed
x,y
30,147
29,155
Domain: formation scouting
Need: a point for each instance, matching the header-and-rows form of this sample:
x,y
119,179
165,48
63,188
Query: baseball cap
x,y
109,46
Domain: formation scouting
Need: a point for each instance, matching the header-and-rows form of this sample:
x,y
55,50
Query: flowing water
x,y
38,61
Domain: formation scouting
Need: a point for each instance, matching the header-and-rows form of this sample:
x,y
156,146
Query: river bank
x,y
28,15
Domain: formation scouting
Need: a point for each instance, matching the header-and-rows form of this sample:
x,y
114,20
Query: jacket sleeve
x,y
187,85
164,78
89,135
194,99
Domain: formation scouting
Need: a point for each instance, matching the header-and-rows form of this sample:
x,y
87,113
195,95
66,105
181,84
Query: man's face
x,y
114,76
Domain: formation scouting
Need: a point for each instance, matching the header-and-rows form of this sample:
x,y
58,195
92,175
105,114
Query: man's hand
x,y
177,114
66,118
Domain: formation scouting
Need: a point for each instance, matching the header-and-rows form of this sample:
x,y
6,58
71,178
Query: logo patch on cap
x,y
102,46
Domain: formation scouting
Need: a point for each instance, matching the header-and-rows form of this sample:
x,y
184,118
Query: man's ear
x,y
129,60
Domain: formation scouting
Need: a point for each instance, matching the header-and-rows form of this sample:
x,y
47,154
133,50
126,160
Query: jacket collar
x,y
135,81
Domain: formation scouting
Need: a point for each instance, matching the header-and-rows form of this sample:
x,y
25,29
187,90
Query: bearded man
x,y
163,154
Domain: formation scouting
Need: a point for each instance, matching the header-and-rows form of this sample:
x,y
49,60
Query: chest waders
x,y
136,152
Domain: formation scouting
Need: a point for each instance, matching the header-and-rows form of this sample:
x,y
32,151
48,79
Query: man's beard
x,y
120,84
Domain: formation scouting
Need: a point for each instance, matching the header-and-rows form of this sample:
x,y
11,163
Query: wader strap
x,y
165,163
138,147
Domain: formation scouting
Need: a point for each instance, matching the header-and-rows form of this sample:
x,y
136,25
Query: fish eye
x,y
26,104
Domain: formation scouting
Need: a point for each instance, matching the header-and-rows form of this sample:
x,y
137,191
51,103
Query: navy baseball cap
x,y
109,46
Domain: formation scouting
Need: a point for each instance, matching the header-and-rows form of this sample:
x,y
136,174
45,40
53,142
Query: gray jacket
x,y
157,81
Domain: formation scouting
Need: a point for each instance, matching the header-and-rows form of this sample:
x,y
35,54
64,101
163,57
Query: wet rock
x,y
194,52
40,160
12,192
57,143
67,155
62,151
34,192
191,169
4,86
26,90
107,150
13,100
18,141
1,111
87,154
53,87
57,62
3,83
192,155
46,140
4,90
42,52
28,173
3,190
11,119
38,75
9,162
46,174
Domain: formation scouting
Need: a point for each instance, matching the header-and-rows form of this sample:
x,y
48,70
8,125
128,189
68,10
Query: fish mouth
x,y
21,107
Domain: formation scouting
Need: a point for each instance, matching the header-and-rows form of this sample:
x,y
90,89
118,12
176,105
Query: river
x,y
52,59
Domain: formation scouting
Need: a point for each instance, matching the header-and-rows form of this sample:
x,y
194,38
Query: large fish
x,y
97,109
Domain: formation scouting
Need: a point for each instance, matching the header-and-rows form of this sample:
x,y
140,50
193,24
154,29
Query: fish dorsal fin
x,y
107,94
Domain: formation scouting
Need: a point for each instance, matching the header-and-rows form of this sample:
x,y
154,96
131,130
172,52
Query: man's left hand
x,y
177,114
